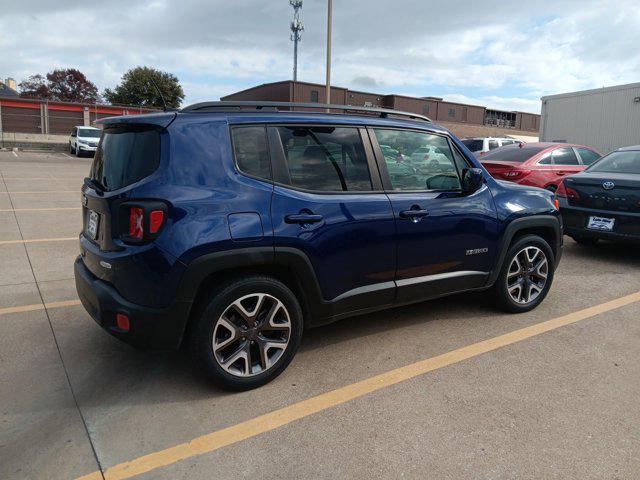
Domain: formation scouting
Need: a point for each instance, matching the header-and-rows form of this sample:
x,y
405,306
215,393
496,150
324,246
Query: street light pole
x,y
328,86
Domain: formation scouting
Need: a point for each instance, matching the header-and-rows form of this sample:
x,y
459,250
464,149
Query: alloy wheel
x,y
527,275
251,335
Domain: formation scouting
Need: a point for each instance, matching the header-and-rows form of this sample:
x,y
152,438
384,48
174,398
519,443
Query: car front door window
x,y
417,161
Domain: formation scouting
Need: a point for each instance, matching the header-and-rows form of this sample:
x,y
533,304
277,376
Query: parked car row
x,y
598,196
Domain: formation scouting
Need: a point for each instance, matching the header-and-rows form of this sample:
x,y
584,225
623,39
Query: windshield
x,y
512,154
618,162
89,132
125,157
473,144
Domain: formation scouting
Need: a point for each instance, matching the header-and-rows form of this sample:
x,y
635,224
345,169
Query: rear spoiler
x,y
161,119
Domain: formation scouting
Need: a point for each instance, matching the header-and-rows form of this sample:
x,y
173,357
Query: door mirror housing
x,y
472,180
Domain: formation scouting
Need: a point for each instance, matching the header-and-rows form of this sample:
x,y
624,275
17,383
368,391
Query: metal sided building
x,y
603,118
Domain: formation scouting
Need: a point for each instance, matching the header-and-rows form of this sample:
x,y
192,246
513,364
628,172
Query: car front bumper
x,y
87,148
150,328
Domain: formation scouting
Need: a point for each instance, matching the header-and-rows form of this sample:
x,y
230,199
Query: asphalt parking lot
x,y
445,389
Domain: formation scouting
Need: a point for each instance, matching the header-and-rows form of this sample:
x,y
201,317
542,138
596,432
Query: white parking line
x,y
14,153
64,154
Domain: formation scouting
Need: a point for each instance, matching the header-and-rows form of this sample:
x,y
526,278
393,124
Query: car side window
x,y
545,160
564,156
587,156
251,151
74,132
493,144
418,161
325,159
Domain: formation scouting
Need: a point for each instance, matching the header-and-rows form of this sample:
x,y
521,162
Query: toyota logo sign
x,y
608,185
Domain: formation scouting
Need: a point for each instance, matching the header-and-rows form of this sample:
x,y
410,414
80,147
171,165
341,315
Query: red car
x,y
541,165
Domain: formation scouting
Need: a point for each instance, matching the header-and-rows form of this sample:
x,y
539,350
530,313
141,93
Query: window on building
x,y
314,96
425,109
418,161
325,159
452,112
252,154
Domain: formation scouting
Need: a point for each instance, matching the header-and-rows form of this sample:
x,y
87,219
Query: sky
x,y
503,55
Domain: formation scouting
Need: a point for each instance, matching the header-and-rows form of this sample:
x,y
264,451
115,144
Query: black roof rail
x,y
234,106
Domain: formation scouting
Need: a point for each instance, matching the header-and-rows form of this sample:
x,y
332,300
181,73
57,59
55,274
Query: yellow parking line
x,y
37,240
38,209
283,416
38,306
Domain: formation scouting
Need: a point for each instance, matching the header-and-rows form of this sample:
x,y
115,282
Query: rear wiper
x,y
90,182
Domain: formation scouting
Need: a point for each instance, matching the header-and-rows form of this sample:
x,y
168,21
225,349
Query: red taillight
x,y
136,222
122,321
567,192
156,217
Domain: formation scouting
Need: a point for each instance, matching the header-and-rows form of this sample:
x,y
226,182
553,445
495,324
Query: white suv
x,y
481,145
84,139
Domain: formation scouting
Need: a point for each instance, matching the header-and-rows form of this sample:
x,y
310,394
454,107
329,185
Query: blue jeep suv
x,y
231,227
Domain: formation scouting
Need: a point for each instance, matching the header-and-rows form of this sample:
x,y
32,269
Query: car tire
x,y
585,241
221,331
525,276
78,152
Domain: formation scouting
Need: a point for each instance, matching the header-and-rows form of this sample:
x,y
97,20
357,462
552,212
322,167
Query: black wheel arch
x,y
548,227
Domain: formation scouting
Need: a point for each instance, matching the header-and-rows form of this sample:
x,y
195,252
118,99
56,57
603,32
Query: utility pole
x,y
328,86
296,28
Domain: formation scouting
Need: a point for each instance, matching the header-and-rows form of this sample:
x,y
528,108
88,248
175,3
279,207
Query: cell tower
x,y
296,28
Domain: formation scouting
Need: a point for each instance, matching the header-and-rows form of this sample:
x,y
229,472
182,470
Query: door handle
x,y
302,218
415,214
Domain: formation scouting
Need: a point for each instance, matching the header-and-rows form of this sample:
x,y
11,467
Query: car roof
x,y
629,148
87,127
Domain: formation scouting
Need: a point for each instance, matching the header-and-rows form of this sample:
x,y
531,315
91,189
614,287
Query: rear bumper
x,y
626,227
151,328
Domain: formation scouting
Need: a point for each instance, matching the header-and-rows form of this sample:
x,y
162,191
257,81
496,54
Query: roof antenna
x,y
164,104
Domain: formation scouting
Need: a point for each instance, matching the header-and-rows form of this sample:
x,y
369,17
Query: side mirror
x,y
472,180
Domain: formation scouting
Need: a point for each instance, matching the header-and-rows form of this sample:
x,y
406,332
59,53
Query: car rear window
x,y
125,156
512,154
473,145
618,162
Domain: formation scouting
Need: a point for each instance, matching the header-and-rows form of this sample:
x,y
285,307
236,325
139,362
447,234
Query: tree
x,y
68,85
71,85
34,87
136,88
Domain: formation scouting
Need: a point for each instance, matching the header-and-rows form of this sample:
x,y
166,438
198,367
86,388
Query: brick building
x,y
437,109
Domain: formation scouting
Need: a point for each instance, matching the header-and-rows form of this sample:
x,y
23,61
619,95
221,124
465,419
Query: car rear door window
x,y
418,161
587,156
564,156
251,151
325,159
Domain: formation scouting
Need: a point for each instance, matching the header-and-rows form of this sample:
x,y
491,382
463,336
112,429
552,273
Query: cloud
x,y
413,47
